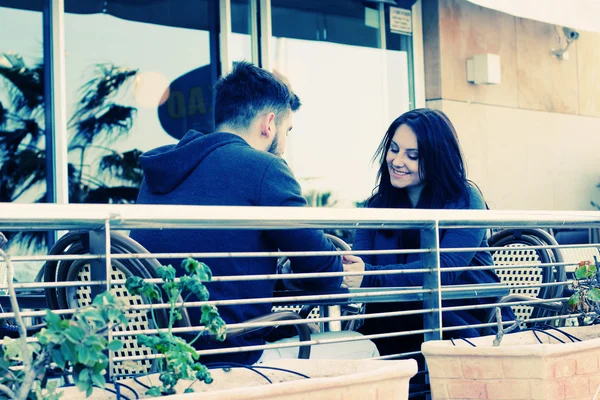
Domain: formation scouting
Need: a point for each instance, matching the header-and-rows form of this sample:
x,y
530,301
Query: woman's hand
x,y
352,264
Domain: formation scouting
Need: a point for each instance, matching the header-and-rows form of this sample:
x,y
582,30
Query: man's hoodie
x,y
222,169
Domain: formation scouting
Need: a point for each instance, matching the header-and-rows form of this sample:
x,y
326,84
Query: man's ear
x,y
268,125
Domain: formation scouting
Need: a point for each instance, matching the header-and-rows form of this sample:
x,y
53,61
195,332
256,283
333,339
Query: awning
x,y
575,14
176,13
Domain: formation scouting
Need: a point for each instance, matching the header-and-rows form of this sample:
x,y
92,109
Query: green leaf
x,y
58,358
188,390
94,314
115,345
114,314
98,380
74,333
94,342
574,300
84,375
134,284
68,351
104,299
52,320
212,320
84,355
582,272
594,295
197,268
154,391
166,272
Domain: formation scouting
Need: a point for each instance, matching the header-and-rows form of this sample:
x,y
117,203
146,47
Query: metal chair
x,y
575,255
78,243
311,311
518,252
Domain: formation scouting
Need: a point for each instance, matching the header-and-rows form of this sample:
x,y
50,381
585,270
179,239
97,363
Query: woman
x,y
421,167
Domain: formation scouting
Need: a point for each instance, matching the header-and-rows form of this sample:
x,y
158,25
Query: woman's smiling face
x,y
403,159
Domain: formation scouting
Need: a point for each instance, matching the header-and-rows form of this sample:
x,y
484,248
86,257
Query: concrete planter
x,y
520,368
330,380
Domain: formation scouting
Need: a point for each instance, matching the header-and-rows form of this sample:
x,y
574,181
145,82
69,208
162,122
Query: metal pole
x,y
431,280
254,32
225,36
265,33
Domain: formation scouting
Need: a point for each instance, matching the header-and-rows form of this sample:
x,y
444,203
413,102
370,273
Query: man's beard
x,y
273,149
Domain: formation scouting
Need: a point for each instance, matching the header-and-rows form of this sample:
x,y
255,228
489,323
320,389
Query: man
x,y
237,165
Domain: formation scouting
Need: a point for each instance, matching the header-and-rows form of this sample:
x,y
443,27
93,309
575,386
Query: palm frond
x,y
27,83
124,166
112,195
19,173
3,115
116,121
30,240
100,89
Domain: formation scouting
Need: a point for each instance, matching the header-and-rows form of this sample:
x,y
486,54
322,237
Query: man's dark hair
x,y
248,91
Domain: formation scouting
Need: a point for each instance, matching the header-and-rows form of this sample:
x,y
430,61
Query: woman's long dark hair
x,y
441,165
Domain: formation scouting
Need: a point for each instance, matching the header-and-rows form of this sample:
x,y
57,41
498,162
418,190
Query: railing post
x,y
100,268
431,280
100,271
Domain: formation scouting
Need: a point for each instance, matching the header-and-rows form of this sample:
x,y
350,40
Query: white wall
x,y
531,160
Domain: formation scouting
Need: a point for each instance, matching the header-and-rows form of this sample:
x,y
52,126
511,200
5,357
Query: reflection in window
x,y
243,27
350,88
139,75
22,139
23,169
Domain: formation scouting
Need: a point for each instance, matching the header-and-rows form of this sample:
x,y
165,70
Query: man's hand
x,y
352,264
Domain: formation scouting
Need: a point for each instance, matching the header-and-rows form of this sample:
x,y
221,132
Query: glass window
x,y
351,90
139,75
243,45
22,171
22,139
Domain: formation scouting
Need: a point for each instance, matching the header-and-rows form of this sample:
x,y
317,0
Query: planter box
x,y
520,368
330,380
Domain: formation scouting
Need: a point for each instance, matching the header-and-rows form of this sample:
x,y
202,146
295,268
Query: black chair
x,y
312,311
517,251
78,243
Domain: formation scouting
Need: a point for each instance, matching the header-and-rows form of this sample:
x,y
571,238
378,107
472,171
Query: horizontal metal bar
x,y
257,254
306,321
92,216
358,295
524,247
497,267
398,355
282,345
541,319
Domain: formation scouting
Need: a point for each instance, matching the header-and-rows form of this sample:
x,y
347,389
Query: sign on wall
x,y
400,20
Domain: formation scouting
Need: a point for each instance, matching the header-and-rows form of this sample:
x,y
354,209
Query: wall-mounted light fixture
x,y
484,69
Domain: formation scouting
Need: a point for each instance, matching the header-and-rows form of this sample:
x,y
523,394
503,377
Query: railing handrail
x,y
129,216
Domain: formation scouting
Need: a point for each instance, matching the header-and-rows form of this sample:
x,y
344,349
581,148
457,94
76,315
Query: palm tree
x,y
96,123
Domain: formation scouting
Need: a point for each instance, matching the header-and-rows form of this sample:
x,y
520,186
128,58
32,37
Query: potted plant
x,y
74,346
532,364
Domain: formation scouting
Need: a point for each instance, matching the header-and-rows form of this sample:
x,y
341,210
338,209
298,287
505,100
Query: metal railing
x,y
101,220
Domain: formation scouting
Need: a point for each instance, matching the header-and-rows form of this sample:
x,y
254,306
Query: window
x,y
160,59
351,90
